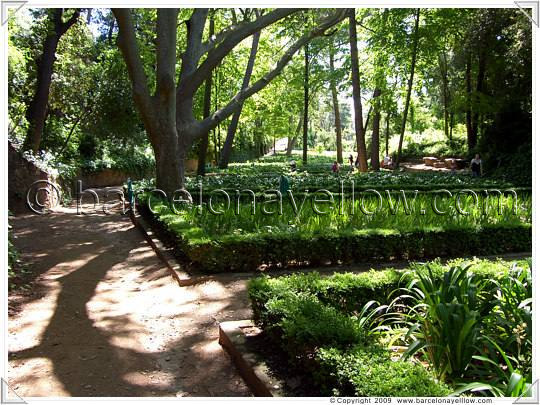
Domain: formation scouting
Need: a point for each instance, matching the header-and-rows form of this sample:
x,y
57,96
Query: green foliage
x,y
371,372
446,315
510,322
306,324
303,214
13,257
350,292
263,176
322,244
500,378
334,347
457,321
15,268
450,311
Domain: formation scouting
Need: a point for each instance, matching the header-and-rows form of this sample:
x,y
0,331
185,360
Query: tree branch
x,y
192,55
212,121
166,51
190,82
130,51
62,27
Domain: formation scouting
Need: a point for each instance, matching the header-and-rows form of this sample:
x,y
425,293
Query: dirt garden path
x,y
105,318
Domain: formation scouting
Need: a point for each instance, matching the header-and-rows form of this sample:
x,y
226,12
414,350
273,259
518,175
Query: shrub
x,y
510,322
349,292
248,251
319,321
371,372
305,324
451,320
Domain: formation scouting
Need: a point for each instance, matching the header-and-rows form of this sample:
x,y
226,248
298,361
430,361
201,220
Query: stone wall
x,y
21,174
104,178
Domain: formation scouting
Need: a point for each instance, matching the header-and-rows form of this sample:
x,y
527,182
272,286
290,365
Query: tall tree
x,y
471,137
443,66
292,140
37,109
207,104
168,115
375,137
416,37
231,130
335,102
357,101
306,105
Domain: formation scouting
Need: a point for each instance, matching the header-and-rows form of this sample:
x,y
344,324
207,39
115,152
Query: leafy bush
x,y
450,312
455,322
306,324
500,377
510,322
264,176
348,292
371,372
13,257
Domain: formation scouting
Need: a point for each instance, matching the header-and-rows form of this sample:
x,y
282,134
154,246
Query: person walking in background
x,y
351,161
335,167
476,166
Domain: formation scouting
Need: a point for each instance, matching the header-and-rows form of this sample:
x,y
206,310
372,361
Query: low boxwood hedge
x,y
247,252
369,371
348,292
311,318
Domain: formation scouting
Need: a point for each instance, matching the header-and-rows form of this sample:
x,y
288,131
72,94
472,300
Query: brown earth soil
x,y
103,317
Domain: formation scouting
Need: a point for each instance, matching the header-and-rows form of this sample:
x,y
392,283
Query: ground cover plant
x,y
259,177
241,240
431,330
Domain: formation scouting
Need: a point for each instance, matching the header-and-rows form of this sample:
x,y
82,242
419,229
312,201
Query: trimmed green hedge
x,y
369,371
311,318
246,253
249,251
348,292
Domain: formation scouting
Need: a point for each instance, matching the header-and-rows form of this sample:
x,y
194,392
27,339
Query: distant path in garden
x,y
103,317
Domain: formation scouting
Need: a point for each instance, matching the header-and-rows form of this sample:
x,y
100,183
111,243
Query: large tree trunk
x,y
168,115
409,86
203,144
335,101
306,105
231,131
170,162
355,73
37,109
375,134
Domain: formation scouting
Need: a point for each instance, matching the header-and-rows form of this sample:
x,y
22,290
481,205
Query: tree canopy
x,y
144,86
